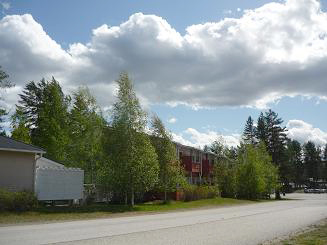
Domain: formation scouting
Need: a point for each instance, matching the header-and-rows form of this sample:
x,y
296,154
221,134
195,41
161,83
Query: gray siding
x,y
17,170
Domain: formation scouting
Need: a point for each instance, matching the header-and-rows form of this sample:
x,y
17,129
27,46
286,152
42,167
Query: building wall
x,y
17,170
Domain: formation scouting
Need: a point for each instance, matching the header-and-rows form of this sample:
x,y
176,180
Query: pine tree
x,y
171,173
249,133
133,163
45,108
261,130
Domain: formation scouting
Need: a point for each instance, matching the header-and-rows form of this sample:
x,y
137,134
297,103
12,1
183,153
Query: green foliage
x,y
312,160
225,177
86,131
171,173
194,192
17,201
19,129
45,108
256,176
249,132
133,165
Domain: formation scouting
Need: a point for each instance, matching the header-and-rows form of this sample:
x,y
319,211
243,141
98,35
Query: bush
x,y
17,201
193,192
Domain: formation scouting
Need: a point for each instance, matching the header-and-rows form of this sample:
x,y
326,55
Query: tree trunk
x,y
125,198
132,197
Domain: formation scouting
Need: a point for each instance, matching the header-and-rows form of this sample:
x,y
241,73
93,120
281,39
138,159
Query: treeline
x,y
267,159
117,154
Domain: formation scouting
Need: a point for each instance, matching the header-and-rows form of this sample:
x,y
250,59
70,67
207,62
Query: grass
x,y
316,235
94,211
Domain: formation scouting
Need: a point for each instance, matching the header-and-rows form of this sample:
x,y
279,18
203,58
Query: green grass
x,y
317,236
94,211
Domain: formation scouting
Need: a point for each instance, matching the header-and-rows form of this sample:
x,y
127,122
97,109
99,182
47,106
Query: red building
x,y
197,163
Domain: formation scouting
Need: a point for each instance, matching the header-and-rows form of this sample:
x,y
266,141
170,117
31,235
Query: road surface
x,y
247,224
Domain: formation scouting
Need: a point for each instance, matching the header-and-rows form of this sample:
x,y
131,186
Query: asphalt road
x,y
247,224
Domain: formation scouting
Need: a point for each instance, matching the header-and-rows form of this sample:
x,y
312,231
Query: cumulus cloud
x,y
172,120
195,138
279,49
304,132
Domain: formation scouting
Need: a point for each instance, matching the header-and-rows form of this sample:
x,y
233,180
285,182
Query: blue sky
x,y
75,21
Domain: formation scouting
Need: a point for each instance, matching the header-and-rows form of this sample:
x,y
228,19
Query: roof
x,y
45,163
8,144
194,148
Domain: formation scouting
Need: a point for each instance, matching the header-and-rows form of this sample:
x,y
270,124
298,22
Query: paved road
x,y
248,224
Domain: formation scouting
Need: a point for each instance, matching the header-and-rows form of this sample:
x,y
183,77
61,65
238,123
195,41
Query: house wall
x,y
17,170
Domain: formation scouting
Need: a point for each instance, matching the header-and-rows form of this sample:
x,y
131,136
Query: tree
x,y
295,166
256,175
45,108
218,147
312,160
19,129
171,173
133,162
249,133
275,142
325,162
86,129
261,131
4,83
225,177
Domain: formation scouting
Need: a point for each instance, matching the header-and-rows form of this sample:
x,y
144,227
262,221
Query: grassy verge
x,y
94,211
315,235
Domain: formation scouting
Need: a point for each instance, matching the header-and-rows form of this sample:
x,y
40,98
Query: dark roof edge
x,y
38,149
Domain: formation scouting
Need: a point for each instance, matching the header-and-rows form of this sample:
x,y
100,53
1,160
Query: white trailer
x,y
54,181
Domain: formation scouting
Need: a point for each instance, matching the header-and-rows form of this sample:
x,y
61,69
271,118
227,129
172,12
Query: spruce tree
x,y
45,108
249,133
261,130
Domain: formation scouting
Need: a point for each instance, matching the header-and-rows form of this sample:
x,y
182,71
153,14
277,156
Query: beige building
x,y
17,164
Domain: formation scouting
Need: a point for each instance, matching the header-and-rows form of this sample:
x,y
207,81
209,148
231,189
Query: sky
x,y
202,66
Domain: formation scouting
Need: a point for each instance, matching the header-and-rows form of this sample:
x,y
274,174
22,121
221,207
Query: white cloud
x,y
172,120
304,132
227,12
279,49
239,9
193,137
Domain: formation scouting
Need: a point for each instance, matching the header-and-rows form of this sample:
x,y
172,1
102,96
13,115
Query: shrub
x,y
193,192
17,201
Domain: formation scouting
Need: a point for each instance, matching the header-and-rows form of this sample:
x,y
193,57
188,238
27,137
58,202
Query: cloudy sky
x,y
202,66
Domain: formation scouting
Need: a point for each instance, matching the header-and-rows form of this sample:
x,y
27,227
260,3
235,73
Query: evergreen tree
x,y
249,133
276,139
133,163
312,160
261,130
171,173
295,164
45,108
86,128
